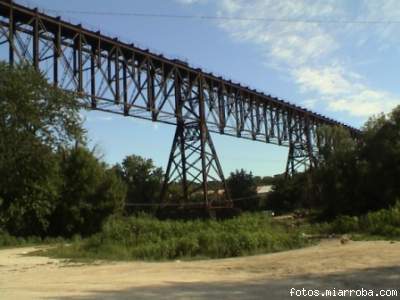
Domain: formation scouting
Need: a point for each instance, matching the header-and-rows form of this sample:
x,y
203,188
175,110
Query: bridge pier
x,y
194,169
303,151
299,160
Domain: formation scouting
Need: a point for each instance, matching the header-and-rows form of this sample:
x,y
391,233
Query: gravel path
x,y
355,265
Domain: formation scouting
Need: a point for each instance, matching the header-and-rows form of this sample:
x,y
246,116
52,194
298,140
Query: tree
x,y
380,153
143,179
243,188
288,195
358,176
335,140
335,184
362,178
90,193
35,119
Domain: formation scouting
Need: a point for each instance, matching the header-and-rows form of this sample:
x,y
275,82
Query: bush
x,y
242,187
144,237
345,224
7,240
290,194
90,193
384,223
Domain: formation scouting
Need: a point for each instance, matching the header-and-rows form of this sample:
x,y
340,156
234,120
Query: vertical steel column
x,y
80,63
93,77
109,73
278,125
117,76
180,131
285,116
221,108
272,121
75,61
35,41
258,120
228,199
203,138
11,31
253,127
125,84
290,162
151,106
312,160
266,125
241,112
237,114
169,167
56,54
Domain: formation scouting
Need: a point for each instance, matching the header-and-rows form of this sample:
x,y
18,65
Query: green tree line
x,y
354,177
51,183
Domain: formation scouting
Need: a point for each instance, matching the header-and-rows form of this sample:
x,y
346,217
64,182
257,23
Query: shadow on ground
x,y
376,279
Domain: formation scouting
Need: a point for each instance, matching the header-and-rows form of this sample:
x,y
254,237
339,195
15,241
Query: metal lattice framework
x,y
116,77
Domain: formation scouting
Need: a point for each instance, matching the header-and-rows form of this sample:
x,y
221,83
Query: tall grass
x,y
146,238
384,223
9,241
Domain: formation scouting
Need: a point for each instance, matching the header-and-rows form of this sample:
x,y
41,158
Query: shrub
x,y
345,224
385,223
145,237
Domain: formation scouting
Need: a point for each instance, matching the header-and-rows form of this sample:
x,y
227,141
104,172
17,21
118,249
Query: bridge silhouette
x,y
112,76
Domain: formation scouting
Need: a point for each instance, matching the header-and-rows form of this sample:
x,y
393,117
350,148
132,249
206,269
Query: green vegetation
x,y
35,120
384,223
243,187
50,183
142,179
353,178
90,193
8,241
147,238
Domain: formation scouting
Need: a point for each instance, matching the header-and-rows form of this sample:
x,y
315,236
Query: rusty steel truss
x,y
112,76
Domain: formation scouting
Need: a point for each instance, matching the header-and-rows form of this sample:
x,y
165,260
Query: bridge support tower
x,y
303,153
194,171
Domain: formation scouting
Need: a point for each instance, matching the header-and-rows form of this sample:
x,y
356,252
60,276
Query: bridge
x,y
109,75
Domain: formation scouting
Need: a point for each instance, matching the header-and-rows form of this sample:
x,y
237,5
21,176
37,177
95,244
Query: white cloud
x,y
292,44
365,103
344,91
326,81
308,52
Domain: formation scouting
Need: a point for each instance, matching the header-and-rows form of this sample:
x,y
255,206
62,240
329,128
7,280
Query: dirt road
x,y
356,265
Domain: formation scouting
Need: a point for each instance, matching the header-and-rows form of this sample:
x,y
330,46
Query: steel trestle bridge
x,y
112,76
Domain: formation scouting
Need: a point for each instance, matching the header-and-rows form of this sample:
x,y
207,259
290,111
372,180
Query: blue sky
x,y
345,71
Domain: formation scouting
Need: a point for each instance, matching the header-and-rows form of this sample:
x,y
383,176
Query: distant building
x,y
264,189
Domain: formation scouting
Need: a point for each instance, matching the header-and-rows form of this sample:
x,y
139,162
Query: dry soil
x,y
354,265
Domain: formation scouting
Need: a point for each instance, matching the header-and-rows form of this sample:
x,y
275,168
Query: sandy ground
x,y
355,265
